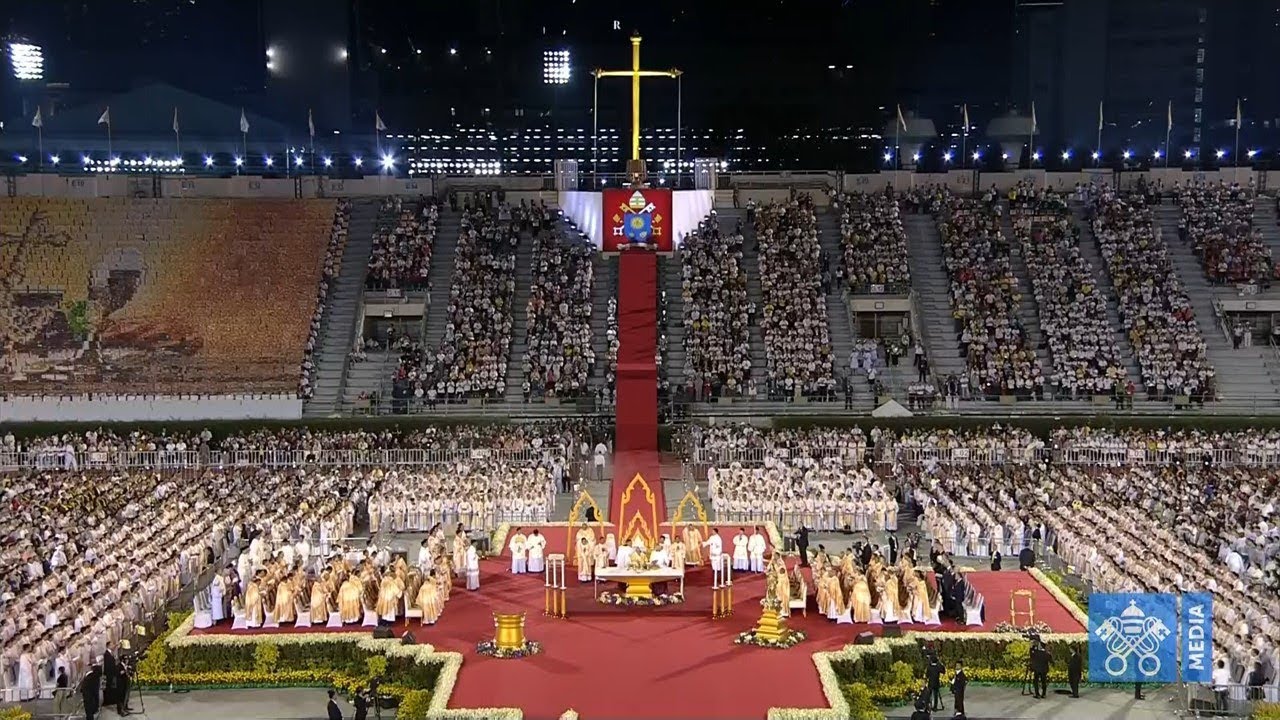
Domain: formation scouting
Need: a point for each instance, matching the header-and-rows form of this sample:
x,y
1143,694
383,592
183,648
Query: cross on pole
x,y
635,167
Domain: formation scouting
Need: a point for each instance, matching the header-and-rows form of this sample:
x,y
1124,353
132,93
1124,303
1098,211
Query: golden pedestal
x,y
1029,613
771,627
508,630
639,587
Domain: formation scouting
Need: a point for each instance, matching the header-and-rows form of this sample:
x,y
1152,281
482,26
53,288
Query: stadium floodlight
x,y
270,161
1186,154
1157,155
915,156
239,161
146,160
977,155
555,67
453,51
55,159
22,159
328,162
208,161
177,162
1036,156
358,162
388,162
946,156
1066,155
297,160
1251,153
888,156
87,160
1221,154
1004,156
115,160
27,61
1127,154
1096,155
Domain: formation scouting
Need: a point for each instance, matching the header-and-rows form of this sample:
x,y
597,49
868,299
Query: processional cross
x,y
635,166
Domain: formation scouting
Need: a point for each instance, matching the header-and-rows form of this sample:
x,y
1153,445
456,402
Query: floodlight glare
x,y
22,158
55,159
388,162
208,161
1035,155
239,161
947,156
1186,154
27,61
1095,155
1156,155
1066,155
977,155
1221,154
1128,154
297,160
555,67
915,156
328,162
1251,153
888,157
270,161
359,162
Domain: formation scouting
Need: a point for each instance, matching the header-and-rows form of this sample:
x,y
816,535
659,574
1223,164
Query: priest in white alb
x,y
535,545
715,548
740,561
519,548
472,564
756,546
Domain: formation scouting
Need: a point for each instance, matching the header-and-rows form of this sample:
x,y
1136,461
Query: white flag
x,y
1238,116
377,122
902,122
175,121
1099,116
38,120
244,122
106,117
1169,127
311,124
1033,117
965,110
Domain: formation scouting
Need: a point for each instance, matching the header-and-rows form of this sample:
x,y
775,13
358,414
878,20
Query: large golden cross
x,y
635,73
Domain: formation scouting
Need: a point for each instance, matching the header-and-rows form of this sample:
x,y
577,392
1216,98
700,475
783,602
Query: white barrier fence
x,y
64,458
1075,454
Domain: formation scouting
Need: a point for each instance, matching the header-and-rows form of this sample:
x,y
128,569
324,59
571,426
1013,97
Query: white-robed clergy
x,y
473,568
519,550
611,546
217,590
535,545
715,548
756,546
740,552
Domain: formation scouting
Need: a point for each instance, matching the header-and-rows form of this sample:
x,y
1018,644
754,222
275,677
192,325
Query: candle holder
x,y
554,603
722,588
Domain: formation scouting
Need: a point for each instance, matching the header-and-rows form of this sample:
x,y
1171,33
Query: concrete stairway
x,y
443,258
1264,221
729,218
1247,375
519,320
843,332
604,285
669,277
933,296
1102,276
342,308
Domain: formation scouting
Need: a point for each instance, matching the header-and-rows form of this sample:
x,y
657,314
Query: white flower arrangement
x,y
498,541
775,537
569,714
1076,611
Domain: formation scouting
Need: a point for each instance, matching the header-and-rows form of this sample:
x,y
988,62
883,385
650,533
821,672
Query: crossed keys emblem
x,y
1132,634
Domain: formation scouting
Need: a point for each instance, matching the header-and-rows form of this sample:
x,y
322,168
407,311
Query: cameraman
x,y
1040,658
123,680
933,673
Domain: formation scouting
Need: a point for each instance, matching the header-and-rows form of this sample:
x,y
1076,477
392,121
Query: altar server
x,y
715,548
473,568
756,546
740,553
535,545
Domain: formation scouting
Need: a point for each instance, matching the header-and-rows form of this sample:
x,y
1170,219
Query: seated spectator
x,y
559,358
1218,221
717,314
401,255
874,243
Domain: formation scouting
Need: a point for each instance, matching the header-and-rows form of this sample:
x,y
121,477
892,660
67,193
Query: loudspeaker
x,y
864,638
383,632
892,631
407,639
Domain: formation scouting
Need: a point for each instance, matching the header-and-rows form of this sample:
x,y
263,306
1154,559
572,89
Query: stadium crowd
x,y
985,297
717,313
559,358
328,274
1153,305
1217,219
793,320
401,255
873,242
1073,312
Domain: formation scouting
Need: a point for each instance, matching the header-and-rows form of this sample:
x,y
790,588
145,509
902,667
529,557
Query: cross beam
x,y
635,73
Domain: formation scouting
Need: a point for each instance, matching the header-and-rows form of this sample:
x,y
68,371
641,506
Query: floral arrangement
x,y
1075,601
1039,628
569,714
415,705
656,600
789,639
14,713
490,648
1266,711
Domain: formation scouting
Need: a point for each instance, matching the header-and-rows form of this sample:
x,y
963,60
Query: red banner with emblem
x,y
637,217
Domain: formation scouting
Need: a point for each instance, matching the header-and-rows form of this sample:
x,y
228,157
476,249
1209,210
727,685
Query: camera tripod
x,y
1027,679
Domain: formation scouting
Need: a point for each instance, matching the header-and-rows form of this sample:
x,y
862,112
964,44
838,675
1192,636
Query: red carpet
x,y
636,433
674,662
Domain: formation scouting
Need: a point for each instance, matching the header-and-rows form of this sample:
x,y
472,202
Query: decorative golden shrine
x,y
678,516
1030,607
639,524
584,499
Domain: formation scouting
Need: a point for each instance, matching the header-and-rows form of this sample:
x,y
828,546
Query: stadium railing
x,y
1074,454
60,458
1233,700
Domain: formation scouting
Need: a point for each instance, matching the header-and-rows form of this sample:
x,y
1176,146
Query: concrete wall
x,y
146,409
243,186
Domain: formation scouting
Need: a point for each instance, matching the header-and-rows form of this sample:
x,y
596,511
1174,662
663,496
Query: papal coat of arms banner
x,y
637,217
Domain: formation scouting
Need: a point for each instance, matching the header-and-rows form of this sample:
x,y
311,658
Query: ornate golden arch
x,y
648,527
584,499
678,516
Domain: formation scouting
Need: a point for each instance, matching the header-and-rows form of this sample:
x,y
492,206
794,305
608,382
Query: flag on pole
x,y
1169,125
175,121
1033,117
1238,117
377,122
902,122
1099,116
244,122
311,124
106,117
38,120
965,111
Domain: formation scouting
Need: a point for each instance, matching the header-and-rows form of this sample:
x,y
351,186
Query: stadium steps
x,y
932,296
604,283
729,219
342,310
670,276
1028,308
843,332
1264,221
1246,375
443,258
1102,276
520,320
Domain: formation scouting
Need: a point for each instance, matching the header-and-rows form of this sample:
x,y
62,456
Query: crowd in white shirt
x,y
1217,219
328,275
717,313
402,245
559,359
873,241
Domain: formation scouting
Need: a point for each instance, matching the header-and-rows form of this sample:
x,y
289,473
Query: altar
x,y
639,582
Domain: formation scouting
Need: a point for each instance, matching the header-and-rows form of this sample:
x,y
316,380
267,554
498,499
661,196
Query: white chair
x,y
239,622
799,597
410,611
931,613
304,619
370,619
202,619
875,617
271,621
335,620
846,618
973,613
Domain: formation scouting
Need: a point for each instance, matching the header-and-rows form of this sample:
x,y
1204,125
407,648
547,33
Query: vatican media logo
x,y
1134,637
